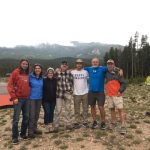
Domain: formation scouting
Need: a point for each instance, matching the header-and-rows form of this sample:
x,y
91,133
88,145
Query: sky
x,y
31,22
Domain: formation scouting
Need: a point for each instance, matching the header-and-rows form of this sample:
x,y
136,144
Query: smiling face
x,y
110,66
79,66
24,65
95,62
37,70
50,74
64,67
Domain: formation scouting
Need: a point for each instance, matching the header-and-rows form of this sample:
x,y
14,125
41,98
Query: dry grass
x,y
136,102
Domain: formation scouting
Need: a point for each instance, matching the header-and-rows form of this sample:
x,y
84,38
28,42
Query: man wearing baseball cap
x,y
115,86
63,95
80,91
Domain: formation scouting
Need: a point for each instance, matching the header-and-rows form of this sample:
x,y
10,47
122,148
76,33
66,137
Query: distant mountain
x,y
48,51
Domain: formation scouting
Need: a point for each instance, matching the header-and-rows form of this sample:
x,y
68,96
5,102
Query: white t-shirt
x,y
80,82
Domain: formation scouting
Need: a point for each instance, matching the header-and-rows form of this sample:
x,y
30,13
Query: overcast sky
x,y
31,22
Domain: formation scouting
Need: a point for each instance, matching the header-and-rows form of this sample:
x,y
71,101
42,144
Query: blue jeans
x,y
48,112
23,105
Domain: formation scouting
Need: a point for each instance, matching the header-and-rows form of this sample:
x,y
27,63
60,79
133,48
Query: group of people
x,y
57,88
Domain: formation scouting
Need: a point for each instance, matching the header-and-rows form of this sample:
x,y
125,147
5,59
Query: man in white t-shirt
x,y
80,91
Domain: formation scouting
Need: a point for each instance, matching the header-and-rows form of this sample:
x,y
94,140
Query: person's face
x,y
64,67
38,70
24,65
95,62
79,65
50,74
110,66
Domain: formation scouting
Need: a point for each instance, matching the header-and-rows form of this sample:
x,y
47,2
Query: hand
x,y
119,94
15,101
120,73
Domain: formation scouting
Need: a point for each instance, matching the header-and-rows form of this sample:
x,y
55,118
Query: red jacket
x,y
18,85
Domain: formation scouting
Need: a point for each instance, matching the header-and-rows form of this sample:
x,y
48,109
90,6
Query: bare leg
x,y
113,115
93,112
102,113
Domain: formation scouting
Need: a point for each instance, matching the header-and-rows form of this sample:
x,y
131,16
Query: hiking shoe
x,y
15,141
94,125
76,126
103,125
86,125
123,130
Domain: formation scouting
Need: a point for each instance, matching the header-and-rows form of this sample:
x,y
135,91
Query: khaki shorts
x,y
115,102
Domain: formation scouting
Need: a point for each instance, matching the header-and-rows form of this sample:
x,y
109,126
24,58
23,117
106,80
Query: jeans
x,y
23,105
35,106
48,112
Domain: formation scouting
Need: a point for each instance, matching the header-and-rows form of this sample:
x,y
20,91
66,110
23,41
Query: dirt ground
x,y
136,103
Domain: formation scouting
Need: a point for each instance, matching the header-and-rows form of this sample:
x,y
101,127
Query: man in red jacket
x,y
19,90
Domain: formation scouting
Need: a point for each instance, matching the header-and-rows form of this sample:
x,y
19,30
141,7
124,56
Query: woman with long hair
x,y
36,95
19,91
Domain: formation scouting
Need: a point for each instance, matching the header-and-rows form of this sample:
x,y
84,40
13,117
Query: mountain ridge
x,y
52,51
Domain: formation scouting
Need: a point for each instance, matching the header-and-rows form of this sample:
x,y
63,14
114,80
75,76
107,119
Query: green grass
x,y
137,141
23,148
35,146
66,136
99,134
146,121
58,142
79,139
85,134
64,146
82,146
132,126
129,136
138,131
54,136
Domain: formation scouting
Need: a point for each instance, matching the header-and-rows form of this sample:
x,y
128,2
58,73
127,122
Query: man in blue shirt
x,y
96,91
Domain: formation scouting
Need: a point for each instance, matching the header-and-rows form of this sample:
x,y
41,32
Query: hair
x,y
21,69
95,58
39,65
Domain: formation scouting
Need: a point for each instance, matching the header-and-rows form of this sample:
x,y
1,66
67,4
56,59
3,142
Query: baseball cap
x,y
79,61
110,61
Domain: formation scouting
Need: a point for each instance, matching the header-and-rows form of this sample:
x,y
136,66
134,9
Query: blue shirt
x,y
36,87
96,78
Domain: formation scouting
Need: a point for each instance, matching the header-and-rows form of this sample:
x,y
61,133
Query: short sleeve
x,y
105,68
87,69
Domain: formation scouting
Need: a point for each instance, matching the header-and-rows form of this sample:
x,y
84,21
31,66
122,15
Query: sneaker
x,y
103,125
24,137
86,125
15,141
76,126
94,125
123,130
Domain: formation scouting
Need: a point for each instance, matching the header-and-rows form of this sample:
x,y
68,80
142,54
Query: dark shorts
x,y
98,97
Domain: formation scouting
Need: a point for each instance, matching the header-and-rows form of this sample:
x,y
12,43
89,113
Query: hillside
x,y
136,102
48,51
